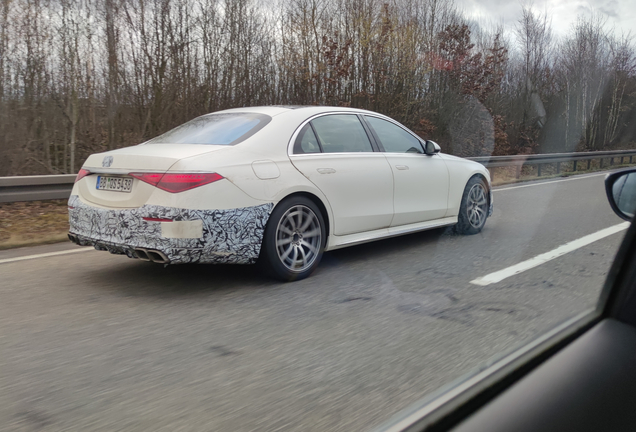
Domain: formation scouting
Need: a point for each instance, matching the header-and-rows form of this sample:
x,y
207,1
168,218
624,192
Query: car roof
x,y
273,110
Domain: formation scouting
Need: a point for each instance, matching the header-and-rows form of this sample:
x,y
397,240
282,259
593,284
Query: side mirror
x,y
431,147
621,192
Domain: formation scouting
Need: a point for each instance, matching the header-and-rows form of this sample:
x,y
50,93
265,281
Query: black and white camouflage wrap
x,y
231,236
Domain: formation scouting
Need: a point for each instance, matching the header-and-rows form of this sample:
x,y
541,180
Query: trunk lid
x,y
150,157
117,164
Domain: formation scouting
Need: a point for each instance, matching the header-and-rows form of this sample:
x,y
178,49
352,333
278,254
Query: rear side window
x,y
215,129
393,138
340,133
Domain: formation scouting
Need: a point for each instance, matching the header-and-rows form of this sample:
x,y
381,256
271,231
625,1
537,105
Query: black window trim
x,y
296,145
318,140
375,141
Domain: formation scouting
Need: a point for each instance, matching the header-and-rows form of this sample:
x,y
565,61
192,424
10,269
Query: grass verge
x,y
507,175
33,223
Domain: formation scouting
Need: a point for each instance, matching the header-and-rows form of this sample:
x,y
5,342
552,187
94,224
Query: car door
x,y
420,182
335,153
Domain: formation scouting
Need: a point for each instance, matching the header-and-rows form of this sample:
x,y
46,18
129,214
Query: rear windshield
x,y
216,129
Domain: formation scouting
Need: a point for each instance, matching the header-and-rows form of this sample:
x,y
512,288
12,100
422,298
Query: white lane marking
x,y
550,182
44,255
500,275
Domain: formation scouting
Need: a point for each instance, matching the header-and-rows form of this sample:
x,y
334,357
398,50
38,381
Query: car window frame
x,y
292,142
297,141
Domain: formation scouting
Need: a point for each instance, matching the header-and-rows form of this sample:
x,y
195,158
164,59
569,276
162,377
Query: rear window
x,y
215,129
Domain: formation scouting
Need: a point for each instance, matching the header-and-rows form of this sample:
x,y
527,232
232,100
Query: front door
x,y
420,181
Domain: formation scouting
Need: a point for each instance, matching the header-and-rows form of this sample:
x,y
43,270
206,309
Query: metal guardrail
x,y
47,187
519,161
35,188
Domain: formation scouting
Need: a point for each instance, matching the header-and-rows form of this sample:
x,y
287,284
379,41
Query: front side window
x,y
341,133
215,129
393,138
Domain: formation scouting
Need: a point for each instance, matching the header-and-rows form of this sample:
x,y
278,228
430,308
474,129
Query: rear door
x,y
335,153
420,181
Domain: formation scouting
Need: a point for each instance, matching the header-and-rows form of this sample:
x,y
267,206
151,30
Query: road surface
x,y
95,342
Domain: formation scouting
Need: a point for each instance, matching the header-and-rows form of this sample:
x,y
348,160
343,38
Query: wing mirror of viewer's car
x,y
431,147
621,192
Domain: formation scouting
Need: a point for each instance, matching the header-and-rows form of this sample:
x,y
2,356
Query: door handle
x,y
402,167
326,170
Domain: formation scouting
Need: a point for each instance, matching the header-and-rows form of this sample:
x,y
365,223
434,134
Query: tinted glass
x,y
217,129
393,138
341,133
306,142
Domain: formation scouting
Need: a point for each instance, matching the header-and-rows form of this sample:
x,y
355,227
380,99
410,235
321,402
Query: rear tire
x,y
294,239
473,210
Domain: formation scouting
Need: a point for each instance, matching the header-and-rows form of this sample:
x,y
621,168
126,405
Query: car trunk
x,y
114,167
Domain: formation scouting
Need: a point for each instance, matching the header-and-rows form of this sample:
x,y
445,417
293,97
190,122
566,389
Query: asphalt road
x,y
95,342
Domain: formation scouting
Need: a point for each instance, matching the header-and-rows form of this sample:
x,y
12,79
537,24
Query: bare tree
x,y
89,75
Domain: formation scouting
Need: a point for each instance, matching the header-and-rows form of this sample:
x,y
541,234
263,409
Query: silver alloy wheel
x,y
298,238
477,207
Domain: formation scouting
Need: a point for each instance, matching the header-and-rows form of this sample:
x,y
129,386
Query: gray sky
x,y
620,14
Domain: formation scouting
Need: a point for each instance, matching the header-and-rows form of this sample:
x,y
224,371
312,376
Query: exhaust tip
x,y
142,255
158,257
151,255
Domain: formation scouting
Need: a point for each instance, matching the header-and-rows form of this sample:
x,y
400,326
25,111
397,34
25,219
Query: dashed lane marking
x,y
500,275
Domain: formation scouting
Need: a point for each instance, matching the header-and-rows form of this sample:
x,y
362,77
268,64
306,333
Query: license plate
x,y
116,184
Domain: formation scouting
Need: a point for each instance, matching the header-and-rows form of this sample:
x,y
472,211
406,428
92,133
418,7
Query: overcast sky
x,y
620,14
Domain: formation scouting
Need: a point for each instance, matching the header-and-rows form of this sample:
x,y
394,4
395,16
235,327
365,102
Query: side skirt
x,y
337,242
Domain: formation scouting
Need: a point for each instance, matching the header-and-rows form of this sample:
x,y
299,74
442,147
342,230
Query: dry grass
x,y
507,175
33,223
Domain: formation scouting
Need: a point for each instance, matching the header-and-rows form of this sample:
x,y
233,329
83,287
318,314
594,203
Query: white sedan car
x,y
278,185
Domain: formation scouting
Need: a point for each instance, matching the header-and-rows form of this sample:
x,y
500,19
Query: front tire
x,y
294,239
473,210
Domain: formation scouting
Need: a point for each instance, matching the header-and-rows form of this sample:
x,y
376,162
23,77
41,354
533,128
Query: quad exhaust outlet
x,y
152,255
143,254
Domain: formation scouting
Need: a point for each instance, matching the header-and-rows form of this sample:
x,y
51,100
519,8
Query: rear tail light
x,y
151,219
177,182
81,174
150,178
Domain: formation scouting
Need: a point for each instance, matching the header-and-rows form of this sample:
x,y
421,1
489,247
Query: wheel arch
x,y
464,219
483,177
316,200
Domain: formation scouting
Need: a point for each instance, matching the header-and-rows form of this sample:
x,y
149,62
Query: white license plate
x,y
116,184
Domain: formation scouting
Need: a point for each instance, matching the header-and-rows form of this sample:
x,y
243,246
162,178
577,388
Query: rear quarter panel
x,y
270,145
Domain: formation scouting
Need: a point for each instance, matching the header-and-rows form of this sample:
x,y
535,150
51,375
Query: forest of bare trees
x,y
81,76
